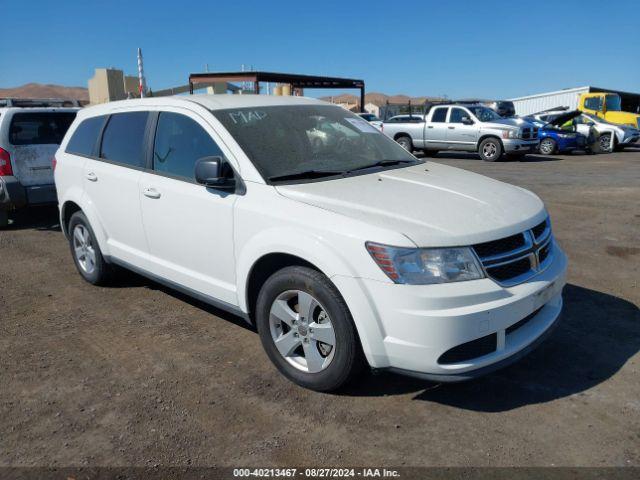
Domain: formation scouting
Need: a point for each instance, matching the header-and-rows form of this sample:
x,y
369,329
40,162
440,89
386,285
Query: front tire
x,y
604,143
405,142
86,252
307,330
548,146
490,149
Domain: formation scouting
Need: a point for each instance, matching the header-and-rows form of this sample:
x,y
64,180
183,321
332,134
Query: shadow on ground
x,y
38,218
598,333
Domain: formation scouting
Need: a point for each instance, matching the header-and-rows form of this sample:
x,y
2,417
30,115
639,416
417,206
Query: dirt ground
x,y
140,375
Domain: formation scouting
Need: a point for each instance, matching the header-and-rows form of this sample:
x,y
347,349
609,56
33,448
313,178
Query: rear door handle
x,y
452,128
151,192
92,177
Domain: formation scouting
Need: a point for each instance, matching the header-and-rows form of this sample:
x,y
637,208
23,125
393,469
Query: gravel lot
x,y
140,375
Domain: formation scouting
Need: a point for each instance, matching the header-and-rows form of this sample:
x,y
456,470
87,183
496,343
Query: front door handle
x,y
92,177
452,128
430,126
151,192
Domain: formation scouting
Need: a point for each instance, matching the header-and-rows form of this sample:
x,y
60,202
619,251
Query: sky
x,y
490,49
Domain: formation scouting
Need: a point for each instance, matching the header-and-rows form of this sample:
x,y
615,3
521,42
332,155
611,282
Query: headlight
x,y
511,134
425,266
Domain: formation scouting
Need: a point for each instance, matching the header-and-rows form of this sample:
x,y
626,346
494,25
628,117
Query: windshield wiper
x,y
306,174
382,163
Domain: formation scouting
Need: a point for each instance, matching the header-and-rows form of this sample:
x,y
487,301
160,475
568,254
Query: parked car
x,y
605,132
28,139
555,139
372,119
465,128
357,253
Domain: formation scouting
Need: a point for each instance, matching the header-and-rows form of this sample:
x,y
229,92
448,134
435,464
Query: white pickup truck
x,y
465,127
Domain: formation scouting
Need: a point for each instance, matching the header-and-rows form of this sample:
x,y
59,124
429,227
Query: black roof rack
x,y
38,102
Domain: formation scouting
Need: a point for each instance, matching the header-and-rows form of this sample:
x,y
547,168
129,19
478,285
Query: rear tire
x,y
405,142
86,252
296,307
548,146
490,149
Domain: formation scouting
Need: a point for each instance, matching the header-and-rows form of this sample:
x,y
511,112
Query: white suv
x,y
343,253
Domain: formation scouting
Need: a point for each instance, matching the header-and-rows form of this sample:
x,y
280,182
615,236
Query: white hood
x,y
432,204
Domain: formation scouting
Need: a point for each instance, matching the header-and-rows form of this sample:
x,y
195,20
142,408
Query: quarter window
x,y
179,143
85,137
456,115
439,115
123,139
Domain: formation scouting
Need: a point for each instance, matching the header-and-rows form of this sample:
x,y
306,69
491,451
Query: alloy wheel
x,y
489,150
546,147
83,249
302,331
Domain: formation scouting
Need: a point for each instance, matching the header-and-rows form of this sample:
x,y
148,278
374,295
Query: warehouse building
x,y
569,98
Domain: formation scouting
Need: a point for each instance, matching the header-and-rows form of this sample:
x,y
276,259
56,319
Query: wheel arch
x,y
402,134
489,135
73,204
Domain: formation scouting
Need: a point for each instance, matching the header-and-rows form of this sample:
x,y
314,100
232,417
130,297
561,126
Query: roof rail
x,y
38,102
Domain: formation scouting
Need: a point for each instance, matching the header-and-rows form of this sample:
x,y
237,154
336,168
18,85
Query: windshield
x,y
613,103
292,140
370,117
484,114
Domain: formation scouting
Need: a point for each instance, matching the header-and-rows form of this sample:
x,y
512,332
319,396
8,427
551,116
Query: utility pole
x,y
142,84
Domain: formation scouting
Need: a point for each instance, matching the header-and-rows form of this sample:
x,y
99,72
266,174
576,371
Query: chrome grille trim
x,y
531,250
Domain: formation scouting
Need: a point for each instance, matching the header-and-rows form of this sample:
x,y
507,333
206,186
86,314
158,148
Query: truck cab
x,y
609,107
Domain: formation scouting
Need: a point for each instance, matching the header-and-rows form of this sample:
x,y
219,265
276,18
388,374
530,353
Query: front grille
x,y
522,322
529,133
496,247
470,350
539,229
514,259
510,270
544,252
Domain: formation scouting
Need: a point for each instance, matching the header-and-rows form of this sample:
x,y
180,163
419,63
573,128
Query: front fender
x,y
292,241
331,262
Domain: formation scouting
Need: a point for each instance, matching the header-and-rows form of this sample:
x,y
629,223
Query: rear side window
x,y
85,137
39,128
124,137
439,115
179,143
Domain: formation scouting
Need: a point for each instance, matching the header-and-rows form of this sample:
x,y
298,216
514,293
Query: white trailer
x,y
545,101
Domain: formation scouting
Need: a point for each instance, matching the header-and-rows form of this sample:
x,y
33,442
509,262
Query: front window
x,y
485,114
593,103
613,103
457,114
309,141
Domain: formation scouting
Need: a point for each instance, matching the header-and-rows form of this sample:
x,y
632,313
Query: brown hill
x,y
38,90
378,99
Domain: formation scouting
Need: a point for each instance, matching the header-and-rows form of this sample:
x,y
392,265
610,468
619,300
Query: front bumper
x,y
513,145
420,323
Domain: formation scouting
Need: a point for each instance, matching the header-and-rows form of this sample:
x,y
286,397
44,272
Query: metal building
x,y
569,98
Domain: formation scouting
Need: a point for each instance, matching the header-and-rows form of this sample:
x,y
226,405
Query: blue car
x,y
554,138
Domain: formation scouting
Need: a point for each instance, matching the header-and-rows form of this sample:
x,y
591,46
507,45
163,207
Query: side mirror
x,y
209,172
466,121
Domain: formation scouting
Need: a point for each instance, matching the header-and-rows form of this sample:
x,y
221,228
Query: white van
x,y
343,253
